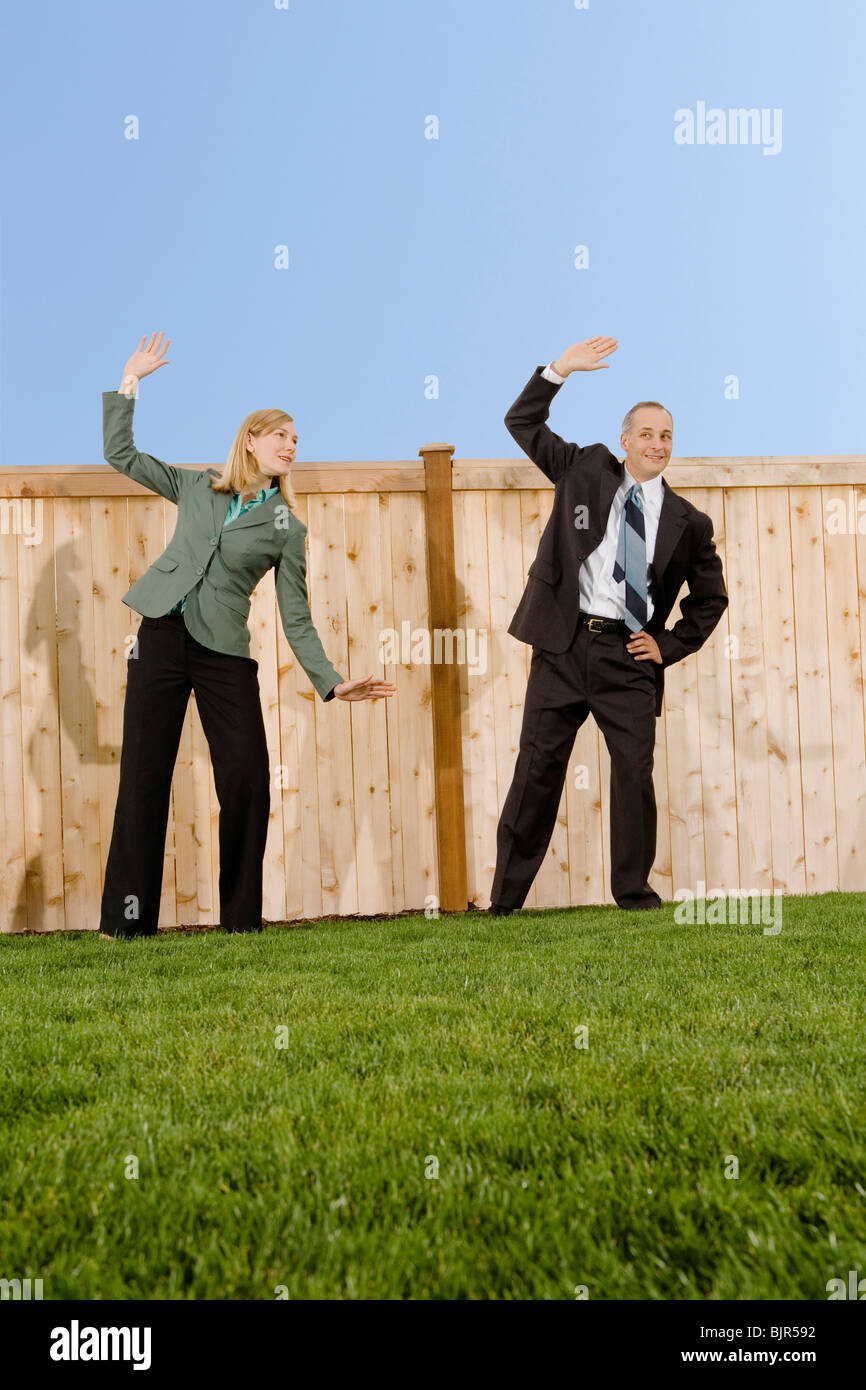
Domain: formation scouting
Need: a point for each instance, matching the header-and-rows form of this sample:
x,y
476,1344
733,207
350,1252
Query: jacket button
x,y
213,540
199,570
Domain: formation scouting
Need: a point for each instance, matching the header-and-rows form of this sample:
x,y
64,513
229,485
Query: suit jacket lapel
x,y
609,482
672,522
256,516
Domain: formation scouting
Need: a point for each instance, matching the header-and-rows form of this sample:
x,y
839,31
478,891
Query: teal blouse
x,y
234,511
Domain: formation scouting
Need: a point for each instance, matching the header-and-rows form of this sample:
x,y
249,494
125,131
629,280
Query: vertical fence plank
x,y
858,506
661,875
43,826
448,753
73,562
780,675
147,539
263,649
717,740
334,746
300,792
13,861
482,797
534,512
813,690
685,770
410,718
390,667
604,810
587,825
371,792
846,694
114,630
749,689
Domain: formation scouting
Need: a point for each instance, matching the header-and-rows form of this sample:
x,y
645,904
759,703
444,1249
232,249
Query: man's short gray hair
x,y
629,419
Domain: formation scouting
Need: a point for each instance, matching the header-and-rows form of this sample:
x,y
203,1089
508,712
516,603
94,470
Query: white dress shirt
x,y
599,592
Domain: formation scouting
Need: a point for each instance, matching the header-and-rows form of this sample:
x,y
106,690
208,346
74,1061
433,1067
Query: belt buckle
x,y
590,624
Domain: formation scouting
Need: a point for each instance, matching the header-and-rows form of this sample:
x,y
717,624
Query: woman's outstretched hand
x,y
364,688
147,359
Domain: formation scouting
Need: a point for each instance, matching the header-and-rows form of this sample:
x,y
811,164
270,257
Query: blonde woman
x,y
232,527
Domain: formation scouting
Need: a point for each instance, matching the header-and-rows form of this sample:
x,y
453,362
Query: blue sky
x,y
412,258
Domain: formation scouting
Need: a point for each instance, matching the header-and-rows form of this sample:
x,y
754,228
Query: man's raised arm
x,y
526,421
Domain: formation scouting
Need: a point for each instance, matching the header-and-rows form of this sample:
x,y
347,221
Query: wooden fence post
x,y
445,680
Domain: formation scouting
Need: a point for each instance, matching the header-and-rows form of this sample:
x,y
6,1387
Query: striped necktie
x,y
631,559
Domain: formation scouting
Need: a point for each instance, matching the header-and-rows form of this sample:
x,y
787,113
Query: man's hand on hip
x,y
643,647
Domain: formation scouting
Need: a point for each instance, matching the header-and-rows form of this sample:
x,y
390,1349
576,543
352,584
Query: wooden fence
x,y
392,805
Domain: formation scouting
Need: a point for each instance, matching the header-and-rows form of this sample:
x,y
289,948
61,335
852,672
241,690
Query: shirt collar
x,y
262,493
651,489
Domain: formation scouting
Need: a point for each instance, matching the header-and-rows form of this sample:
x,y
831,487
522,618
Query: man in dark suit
x,y
617,548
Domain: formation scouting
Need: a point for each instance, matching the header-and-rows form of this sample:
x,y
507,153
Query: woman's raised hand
x,y
364,688
147,359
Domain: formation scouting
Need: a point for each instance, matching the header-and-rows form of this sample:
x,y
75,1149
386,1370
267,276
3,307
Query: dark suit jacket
x,y
589,477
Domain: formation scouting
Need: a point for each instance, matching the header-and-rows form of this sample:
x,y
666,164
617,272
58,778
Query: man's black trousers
x,y
169,664
597,676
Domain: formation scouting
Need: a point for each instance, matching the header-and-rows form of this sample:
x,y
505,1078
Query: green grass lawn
x,y
411,1043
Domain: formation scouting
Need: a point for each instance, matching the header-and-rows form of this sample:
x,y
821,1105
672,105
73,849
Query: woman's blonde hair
x,y
241,468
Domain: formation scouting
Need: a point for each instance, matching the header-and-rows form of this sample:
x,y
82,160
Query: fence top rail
x,y
101,480
406,475
806,470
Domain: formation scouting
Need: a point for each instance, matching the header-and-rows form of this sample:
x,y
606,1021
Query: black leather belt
x,y
602,624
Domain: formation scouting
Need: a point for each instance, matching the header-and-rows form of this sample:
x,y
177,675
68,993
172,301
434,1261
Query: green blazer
x,y
215,567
